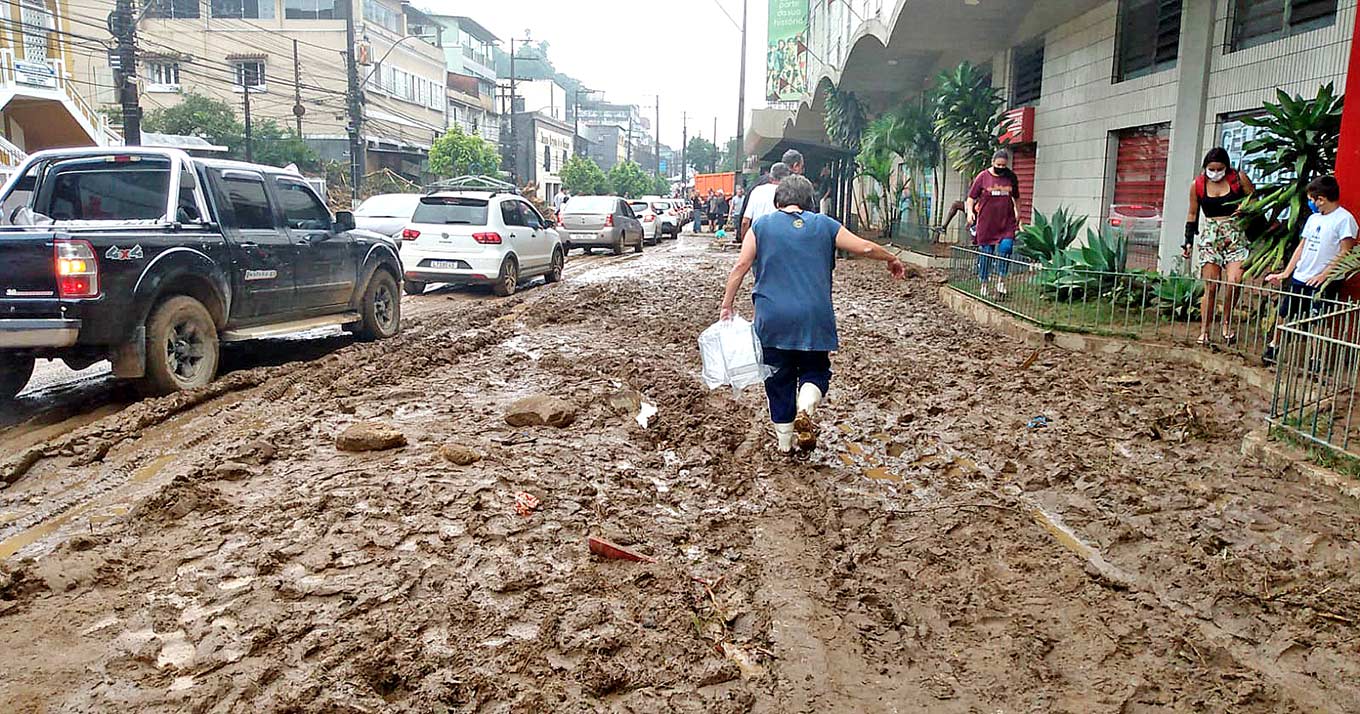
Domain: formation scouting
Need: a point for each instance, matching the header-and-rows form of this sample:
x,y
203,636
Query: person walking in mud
x,y
994,212
793,253
696,205
1222,244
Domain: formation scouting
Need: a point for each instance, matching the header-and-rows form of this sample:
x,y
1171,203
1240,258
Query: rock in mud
x,y
369,436
459,454
235,471
540,410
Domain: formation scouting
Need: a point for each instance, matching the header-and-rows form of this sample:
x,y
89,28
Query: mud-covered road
x,y
937,555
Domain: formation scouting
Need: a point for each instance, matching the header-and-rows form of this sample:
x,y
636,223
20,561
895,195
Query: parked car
x,y
479,238
652,228
151,259
668,215
387,213
602,222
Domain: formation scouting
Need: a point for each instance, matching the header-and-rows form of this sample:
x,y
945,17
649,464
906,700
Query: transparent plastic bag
x,y
732,355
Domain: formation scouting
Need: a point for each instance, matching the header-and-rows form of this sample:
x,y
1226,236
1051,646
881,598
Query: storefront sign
x,y
786,55
34,74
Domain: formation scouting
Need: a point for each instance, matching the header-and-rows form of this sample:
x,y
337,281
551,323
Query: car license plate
x,y
583,235
444,264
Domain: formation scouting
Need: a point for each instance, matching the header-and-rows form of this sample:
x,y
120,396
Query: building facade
x,y
542,146
472,111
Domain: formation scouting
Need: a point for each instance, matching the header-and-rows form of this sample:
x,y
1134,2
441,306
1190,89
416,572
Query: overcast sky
x,y
686,51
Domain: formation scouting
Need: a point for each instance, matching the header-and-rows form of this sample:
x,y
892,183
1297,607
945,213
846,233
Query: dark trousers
x,y
793,369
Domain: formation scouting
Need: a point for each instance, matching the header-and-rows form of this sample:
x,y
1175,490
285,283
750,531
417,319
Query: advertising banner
x,y
786,61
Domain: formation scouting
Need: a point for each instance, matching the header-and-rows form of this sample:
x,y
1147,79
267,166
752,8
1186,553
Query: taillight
x,y
648,218
609,221
487,238
409,234
77,269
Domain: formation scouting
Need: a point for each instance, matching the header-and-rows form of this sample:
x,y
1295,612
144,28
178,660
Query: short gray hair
x,y
793,191
780,171
793,157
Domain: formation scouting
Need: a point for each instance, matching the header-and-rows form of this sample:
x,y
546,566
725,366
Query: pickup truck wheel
x,y
181,347
381,308
554,273
15,371
413,288
508,281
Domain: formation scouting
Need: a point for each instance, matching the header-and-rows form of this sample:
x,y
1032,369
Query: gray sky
x,y
687,51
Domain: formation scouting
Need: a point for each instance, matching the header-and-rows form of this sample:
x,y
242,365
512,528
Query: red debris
x,y
605,549
525,503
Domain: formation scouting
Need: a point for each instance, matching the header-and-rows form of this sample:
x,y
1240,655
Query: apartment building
x,y
468,58
1116,100
290,56
602,122
42,105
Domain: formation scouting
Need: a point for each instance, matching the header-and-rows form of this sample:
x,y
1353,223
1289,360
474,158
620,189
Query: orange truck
x,y
725,182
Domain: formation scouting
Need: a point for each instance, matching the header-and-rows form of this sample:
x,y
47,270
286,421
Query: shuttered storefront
x,y
1022,163
1140,166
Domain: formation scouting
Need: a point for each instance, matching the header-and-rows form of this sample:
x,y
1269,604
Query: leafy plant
x,y
583,177
459,154
845,119
627,179
880,149
1299,144
1095,266
1045,236
1179,296
968,117
701,154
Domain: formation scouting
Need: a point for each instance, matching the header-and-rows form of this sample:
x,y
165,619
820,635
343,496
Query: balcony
x,y
45,110
478,64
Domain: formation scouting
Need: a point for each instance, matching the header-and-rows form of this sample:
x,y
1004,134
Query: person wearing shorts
x,y
1328,236
1222,247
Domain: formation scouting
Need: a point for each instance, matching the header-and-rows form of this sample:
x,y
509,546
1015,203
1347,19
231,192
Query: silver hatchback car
x,y
600,222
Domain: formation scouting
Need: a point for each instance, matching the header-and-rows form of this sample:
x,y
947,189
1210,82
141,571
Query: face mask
x,y
1216,176
1312,206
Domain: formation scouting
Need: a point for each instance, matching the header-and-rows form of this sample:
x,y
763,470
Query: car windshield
x,y
106,189
659,206
589,204
392,205
455,210
638,207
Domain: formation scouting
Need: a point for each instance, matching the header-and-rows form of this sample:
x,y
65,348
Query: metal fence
x,y
1315,380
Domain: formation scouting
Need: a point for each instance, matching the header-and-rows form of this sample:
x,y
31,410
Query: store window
x,y
243,9
311,10
1148,37
1256,22
1027,73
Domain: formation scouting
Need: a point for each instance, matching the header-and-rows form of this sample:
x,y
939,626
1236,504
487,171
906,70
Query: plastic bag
x,y
732,355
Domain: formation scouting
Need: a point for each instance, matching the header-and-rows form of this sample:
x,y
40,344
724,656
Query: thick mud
x,y
937,554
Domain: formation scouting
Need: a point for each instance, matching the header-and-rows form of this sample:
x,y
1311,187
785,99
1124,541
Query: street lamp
x,y
389,51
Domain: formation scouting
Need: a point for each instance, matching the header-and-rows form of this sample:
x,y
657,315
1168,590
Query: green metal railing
x,y
1315,381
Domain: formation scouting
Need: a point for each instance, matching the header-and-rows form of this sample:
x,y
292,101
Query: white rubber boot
x,y
784,434
809,398
805,426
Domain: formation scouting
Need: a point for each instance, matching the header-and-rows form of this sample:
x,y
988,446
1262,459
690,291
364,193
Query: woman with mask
x,y
1222,244
994,214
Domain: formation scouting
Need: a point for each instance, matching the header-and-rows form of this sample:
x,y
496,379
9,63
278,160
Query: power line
x,y
729,15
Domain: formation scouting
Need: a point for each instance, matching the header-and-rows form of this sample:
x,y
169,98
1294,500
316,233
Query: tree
x,y
661,186
201,116
583,177
273,146
459,154
701,154
968,117
629,180
845,119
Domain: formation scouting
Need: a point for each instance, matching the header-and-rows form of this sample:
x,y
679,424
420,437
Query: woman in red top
x,y
994,215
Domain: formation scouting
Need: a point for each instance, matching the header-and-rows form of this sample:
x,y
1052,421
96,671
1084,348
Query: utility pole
x,y
357,160
576,121
628,143
123,26
298,109
739,159
245,85
713,166
684,148
658,134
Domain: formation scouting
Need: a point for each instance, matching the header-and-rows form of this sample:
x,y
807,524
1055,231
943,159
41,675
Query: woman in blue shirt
x,y
793,253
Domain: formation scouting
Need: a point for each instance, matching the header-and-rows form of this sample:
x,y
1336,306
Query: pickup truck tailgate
x,y
27,266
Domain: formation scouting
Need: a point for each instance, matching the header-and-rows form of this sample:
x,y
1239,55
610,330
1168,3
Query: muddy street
x,y
216,551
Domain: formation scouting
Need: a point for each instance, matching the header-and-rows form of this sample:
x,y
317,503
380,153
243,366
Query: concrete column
x,y
1187,125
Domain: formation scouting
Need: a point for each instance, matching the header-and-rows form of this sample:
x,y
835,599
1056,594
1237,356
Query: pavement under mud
x,y
936,555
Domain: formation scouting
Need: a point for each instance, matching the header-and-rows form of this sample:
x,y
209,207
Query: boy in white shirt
x,y
1328,235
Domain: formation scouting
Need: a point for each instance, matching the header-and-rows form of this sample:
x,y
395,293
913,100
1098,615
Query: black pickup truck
x,y
151,258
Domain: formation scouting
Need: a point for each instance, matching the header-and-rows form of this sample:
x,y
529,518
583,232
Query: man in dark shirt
x,y
793,158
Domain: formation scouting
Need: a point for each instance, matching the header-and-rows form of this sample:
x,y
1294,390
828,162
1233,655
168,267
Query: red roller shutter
x,y
1140,166
1022,163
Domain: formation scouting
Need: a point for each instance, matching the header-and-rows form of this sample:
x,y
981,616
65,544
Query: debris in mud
x,y
1180,424
606,549
526,503
631,403
235,471
1038,422
369,436
459,454
541,410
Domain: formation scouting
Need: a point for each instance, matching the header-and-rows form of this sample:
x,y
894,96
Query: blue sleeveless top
x,y
795,254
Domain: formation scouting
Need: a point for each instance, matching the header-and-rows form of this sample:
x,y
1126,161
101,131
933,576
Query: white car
x,y
479,238
387,213
652,227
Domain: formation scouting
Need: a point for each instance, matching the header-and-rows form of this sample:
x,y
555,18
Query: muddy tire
x,y
618,244
641,240
554,274
413,288
15,371
508,281
181,347
381,308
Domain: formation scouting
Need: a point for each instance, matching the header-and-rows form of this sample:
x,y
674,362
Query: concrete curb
x,y
1258,445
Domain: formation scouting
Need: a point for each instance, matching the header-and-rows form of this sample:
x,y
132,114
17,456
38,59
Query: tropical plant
x,y
459,154
845,119
882,146
968,117
1179,296
921,151
1299,144
1044,236
1095,266
583,177
627,179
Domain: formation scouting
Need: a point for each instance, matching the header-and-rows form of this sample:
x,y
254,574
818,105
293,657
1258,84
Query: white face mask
x,y
1216,176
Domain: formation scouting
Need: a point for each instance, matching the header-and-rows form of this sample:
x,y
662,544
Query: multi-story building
x,y
289,53
472,111
468,56
601,119
542,146
42,103
608,144
1118,99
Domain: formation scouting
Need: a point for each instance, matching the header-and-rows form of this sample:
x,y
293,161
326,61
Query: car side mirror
x,y
549,223
344,221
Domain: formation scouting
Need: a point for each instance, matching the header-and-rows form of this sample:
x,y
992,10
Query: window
x,y
529,216
451,211
162,76
1027,73
547,159
311,10
250,73
1256,22
85,190
302,210
249,204
243,9
375,11
173,9
510,214
1149,36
